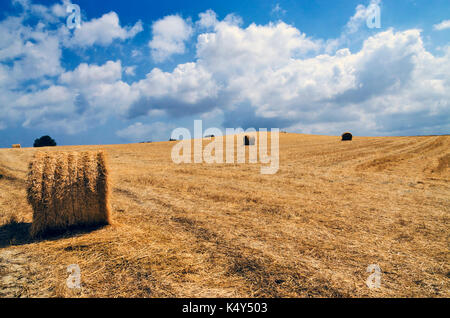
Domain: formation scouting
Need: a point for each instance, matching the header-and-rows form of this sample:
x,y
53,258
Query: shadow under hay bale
x,y
14,233
17,234
347,136
68,190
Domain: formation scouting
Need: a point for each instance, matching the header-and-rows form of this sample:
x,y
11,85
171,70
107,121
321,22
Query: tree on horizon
x,y
44,141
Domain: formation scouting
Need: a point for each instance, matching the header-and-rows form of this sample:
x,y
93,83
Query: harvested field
x,y
221,230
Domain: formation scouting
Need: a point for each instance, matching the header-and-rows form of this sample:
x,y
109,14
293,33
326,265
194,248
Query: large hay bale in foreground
x,y
68,189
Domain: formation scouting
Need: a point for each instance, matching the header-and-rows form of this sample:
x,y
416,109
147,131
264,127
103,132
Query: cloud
x,y
232,49
82,98
130,70
52,108
254,76
361,15
207,19
384,65
28,53
12,33
48,14
278,10
35,89
442,26
59,9
102,88
169,36
275,75
40,57
139,132
103,31
136,53
189,89
86,74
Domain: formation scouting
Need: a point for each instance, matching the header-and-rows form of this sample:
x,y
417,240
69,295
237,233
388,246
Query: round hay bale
x,y
347,136
67,190
249,141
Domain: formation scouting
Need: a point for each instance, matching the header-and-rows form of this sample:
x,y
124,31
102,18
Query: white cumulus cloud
x,y
86,74
361,15
103,31
207,19
270,75
442,26
169,37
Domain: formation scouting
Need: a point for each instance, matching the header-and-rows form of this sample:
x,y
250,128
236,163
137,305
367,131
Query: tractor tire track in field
x,y
265,277
394,159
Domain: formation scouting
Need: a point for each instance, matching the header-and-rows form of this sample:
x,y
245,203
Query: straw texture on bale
x,y
16,146
68,189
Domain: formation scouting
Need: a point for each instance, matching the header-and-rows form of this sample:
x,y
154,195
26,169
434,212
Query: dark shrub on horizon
x,y
44,141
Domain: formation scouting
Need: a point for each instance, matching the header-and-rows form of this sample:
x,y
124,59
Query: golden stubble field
x,y
220,230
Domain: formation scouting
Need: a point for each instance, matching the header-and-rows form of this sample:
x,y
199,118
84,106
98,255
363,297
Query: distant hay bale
x,y
68,189
16,146
249,141
347,136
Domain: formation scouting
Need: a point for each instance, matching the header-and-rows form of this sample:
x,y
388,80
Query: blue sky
x,y
135,70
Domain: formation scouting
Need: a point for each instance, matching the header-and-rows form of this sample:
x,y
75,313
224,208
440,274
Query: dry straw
x,y
68,189
17,146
